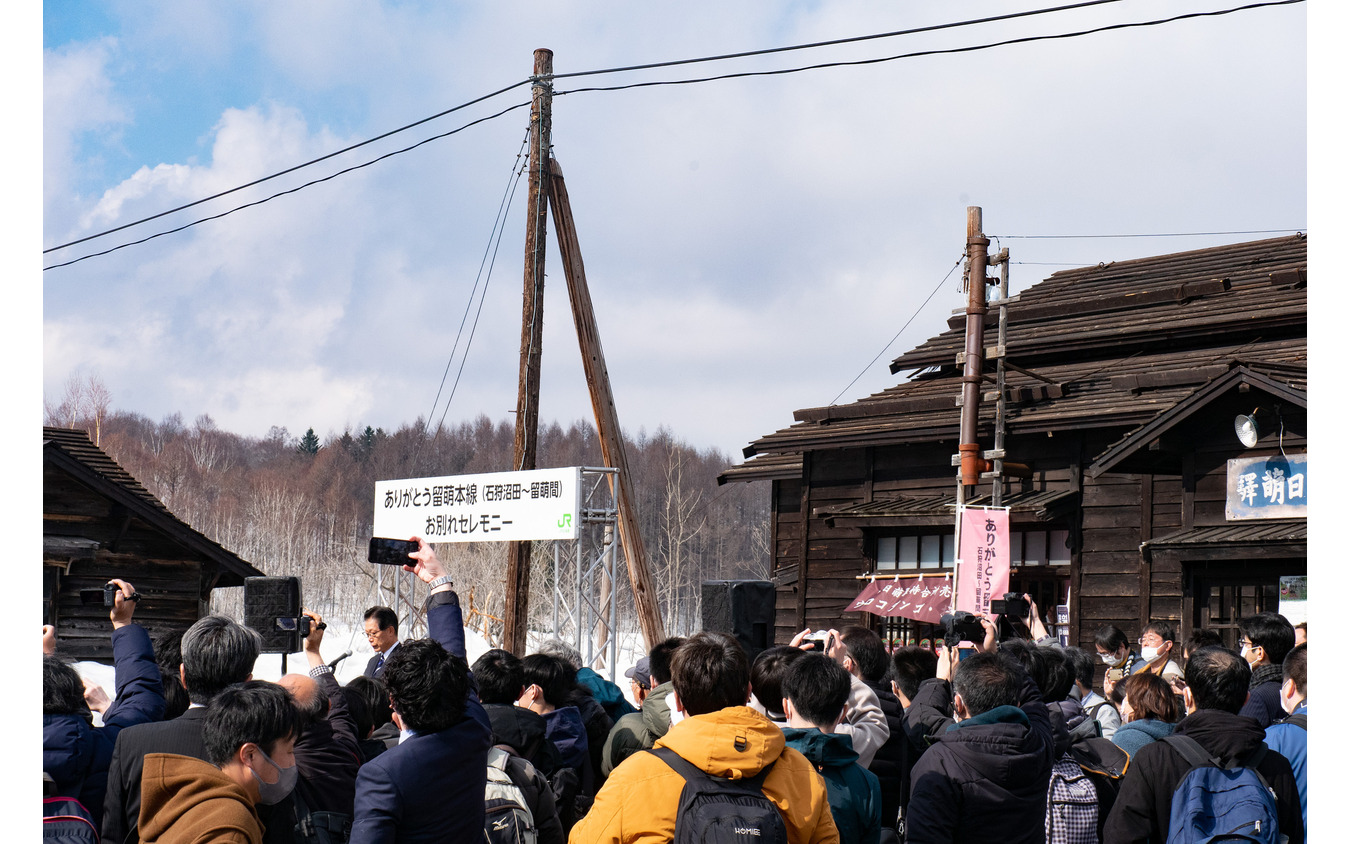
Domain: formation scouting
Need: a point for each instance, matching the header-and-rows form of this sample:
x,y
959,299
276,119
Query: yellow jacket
x,y
638,802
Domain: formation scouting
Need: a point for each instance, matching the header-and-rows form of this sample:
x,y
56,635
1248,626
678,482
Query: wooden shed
x,y
98,523
1123,382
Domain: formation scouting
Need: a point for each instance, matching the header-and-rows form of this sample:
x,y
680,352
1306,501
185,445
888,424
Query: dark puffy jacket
x,y
1144,806
853,791
572,783
986,775
523,730
894,760
598,724
77,754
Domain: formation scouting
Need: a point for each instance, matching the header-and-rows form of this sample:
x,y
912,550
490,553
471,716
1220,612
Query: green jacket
x,y
854,792
639,730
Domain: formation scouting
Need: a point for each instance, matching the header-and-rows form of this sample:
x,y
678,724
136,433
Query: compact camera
x,y
1013,604
105,595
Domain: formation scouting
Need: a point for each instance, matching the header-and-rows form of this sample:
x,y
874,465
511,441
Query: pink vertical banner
x,y
984,555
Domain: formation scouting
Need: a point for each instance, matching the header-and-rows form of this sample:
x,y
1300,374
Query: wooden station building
x,y
1122,385
98,523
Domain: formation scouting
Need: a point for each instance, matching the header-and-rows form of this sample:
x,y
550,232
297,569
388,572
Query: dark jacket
x,y
1144,806
523,730
1264,702
122,805
893,761
328,757
598,724
854,792
1133,736
76,754
430,787
986,775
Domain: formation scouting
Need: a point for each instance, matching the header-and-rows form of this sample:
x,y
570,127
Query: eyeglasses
x,y
1247,643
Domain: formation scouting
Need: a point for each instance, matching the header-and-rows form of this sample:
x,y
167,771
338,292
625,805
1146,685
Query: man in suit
x,y
429,787
217,652
382,633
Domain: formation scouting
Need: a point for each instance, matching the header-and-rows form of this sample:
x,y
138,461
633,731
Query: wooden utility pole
x,y
606,415
517,614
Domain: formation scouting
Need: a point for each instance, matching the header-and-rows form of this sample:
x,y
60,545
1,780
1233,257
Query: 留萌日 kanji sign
x,y
496,507
1274,487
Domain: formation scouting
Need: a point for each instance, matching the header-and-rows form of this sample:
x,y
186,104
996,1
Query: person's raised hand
x,y
990,643
94,695
797,641
426,565
315,637
48,639
946,664
835,647
123,606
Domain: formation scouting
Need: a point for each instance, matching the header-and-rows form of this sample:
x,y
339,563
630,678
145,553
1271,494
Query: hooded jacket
x,y
522,730
637,805
185,800
984,774
1144,806
605,693
78,754
637,731
1132,737
854,792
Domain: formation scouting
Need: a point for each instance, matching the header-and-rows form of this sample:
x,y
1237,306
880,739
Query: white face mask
x,y
1112,661
1149,654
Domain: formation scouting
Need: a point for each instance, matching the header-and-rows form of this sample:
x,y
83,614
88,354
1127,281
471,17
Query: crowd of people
x,y
829,738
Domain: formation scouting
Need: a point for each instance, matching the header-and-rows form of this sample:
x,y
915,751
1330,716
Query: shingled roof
x,y
75,454
1111,345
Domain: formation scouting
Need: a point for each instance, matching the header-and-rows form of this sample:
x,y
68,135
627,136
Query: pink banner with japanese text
x,y
984,554
922,599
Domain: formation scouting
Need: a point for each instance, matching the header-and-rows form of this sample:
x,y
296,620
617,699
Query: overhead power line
x,y
295,189
578,74
935,52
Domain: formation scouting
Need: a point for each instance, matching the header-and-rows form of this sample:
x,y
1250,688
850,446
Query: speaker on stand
x,y
743,608
271,607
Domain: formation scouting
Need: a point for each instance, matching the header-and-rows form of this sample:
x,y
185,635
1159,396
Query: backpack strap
x,y
1192,751
1299,720
690,771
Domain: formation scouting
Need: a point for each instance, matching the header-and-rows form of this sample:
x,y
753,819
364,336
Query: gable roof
x,y
1108,346
74,453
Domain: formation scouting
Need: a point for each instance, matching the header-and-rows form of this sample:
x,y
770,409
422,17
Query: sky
x,y
751,244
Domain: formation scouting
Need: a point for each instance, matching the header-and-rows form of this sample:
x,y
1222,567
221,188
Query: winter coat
x,y
77,754
864,722
637,805
986,775
523,730
638,730
1102,711
564,727
1134,735
185,800
1143,808
893,760
606,694
854,792
598,724
1264,702
1291,742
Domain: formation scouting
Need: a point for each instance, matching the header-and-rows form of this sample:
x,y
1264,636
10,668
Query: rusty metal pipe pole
x,y
515,618
977,257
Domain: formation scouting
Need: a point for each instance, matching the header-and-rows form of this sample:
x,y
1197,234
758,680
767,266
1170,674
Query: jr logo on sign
x,y
565,522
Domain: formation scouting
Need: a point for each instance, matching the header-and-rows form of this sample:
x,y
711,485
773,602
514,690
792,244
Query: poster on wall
x,y
983,561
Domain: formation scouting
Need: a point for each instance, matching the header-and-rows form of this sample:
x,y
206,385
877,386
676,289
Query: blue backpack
x,y
1217,803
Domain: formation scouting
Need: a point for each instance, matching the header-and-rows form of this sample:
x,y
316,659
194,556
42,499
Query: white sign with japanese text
x,y
496,507
1273,487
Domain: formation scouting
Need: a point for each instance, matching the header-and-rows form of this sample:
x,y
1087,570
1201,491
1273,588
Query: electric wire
x,y
835,42
577,74
503,208
935,52
293,169
902,329
295,189
499,91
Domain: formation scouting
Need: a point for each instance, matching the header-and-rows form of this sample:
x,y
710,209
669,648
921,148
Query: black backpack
x,y
66,821
1299,720
717,810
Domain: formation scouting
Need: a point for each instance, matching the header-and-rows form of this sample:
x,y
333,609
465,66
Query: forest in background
x,y
303,505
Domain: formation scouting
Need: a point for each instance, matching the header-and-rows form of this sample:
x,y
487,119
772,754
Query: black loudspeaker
x,y
267,601
743,608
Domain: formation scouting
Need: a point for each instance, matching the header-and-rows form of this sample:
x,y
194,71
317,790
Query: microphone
x,y
334,663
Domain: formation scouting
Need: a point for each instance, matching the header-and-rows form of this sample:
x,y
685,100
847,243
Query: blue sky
x,y
751,244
